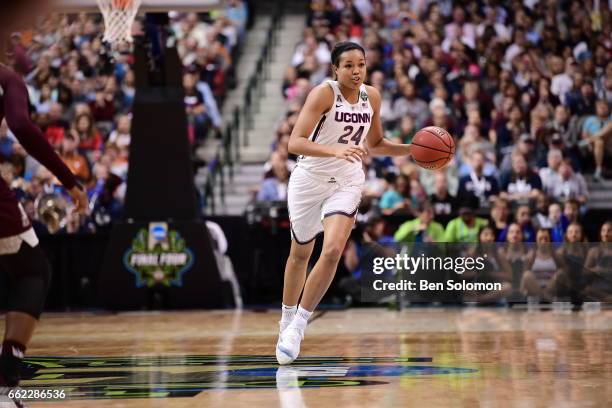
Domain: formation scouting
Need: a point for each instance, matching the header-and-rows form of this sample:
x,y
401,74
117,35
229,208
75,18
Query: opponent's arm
x,y
32,139
317,103
376,143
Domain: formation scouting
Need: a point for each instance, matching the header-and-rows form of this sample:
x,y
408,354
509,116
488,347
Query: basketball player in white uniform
x,y
338,125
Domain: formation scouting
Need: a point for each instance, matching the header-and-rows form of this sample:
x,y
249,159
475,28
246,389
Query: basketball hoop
x,y
118,16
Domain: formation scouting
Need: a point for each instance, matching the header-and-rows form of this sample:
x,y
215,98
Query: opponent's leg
x,y
337,229
29,274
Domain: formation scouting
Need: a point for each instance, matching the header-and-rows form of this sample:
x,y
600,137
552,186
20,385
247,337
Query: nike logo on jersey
x,y
338,106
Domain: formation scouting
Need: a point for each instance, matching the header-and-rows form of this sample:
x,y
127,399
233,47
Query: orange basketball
x,y
432,147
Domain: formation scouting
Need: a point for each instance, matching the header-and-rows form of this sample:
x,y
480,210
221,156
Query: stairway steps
x,y
271,105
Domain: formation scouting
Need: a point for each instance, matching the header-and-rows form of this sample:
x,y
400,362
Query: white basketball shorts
x,y
312,197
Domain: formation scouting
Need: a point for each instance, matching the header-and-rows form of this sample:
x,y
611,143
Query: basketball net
x,y
118,16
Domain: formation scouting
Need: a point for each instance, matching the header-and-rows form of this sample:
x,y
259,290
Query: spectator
x,y
572,254
90,139
521,184
571,210
103,107
596,130
496,269
410,104
539,279
508,130
557,222
421,229
471,141
523,220
237,13
275,188
406,130
569,185
76,163
465,227
444,204
564,125
550,175
575,234
195,108
581,101
540,219
117,160
517,256
476,184
526,148
561,81
121,135
500,212
397,196
598,269
57,126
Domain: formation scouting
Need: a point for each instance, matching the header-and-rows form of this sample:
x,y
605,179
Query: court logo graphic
x,y
158,256
94,378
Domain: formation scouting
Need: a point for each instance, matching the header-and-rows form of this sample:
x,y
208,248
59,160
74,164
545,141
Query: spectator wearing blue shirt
x,y
477,184
596,130
275,188
523,219
397,197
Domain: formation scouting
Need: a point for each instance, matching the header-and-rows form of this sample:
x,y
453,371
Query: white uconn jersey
x,y
344,124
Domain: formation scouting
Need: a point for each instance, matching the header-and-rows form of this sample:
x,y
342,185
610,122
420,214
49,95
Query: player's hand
x,y
351,154
79,198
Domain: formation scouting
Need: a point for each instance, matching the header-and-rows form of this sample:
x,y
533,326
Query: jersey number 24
x,y
347,132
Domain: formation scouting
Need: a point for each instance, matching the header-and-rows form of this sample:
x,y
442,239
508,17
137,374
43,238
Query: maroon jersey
x,y
14,107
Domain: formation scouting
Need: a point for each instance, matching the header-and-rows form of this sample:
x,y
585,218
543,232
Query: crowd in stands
x,y
525,88
81,96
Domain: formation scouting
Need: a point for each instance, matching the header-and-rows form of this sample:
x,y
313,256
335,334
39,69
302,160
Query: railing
x,y
222,166
255,88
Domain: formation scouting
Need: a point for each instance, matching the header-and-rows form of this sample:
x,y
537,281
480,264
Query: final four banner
x,y
160,264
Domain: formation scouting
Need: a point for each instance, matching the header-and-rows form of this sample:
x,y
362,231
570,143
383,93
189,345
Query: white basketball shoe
x,y
288,346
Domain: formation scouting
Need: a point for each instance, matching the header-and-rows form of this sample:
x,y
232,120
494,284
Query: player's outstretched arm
x,y
317,103
376,143
15,100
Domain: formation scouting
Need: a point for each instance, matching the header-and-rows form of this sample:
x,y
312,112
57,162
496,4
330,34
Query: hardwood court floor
x,y
357,358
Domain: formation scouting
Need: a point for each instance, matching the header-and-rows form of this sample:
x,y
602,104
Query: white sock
x,y
288,313
301,317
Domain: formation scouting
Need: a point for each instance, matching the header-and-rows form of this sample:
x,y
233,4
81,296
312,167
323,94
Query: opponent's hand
x,y
79,198
351,154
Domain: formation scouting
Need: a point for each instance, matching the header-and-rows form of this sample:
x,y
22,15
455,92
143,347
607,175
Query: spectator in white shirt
x,y
550,174
569,185
561,81
121,135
